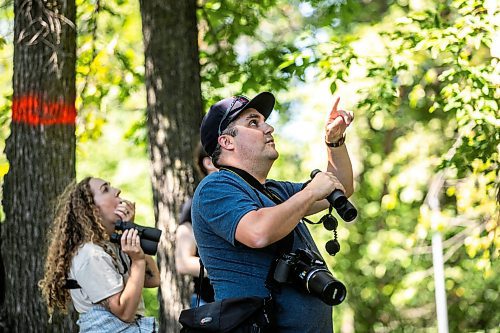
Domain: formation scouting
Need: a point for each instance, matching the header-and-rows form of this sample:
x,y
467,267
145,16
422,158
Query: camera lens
x,y
321,283
334,293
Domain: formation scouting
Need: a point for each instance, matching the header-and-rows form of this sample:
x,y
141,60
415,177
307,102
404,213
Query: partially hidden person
x,y
187,260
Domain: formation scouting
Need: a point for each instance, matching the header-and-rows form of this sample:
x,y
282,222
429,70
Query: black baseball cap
x,y
222,113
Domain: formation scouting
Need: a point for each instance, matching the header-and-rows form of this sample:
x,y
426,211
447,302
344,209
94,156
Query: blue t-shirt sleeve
x,y
284,189
221,206
292,188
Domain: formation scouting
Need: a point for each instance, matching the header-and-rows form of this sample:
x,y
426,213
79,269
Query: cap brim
x,y
263,102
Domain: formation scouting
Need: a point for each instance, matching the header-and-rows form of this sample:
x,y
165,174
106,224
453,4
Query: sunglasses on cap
x,y
238,102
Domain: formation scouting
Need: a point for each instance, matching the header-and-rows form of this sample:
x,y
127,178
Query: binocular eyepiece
x,y
149,237
339,201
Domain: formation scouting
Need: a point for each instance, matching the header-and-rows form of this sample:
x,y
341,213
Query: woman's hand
x,y
131,244
125,303
126,210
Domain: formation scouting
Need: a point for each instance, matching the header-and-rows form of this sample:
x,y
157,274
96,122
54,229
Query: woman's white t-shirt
x,y
98,275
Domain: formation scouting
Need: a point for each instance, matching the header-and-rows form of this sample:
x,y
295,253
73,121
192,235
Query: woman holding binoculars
x,y
103,280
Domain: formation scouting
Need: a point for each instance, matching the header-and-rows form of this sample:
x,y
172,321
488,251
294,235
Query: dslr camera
x,y
150,237
307,271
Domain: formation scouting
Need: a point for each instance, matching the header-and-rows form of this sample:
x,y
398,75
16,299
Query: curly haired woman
x,y
103,280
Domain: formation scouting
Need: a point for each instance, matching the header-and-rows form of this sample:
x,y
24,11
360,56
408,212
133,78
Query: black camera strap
x,y
254,183
201,275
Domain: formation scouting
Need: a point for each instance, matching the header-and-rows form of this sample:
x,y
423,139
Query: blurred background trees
x,y
422,77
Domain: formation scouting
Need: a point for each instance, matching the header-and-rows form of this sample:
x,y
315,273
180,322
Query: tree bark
x,y
41,155
174,115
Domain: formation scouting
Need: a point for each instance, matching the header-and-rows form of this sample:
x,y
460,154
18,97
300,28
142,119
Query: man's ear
x,y
226,141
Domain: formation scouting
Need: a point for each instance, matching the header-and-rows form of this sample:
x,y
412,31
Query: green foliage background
x,y
422,77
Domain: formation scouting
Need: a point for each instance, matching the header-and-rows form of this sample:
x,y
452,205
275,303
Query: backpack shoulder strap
x,y
71,284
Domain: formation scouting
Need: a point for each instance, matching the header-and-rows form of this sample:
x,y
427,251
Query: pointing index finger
x,y
334,113
336,104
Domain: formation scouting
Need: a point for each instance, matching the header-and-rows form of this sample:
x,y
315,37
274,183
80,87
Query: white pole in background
x,y
437,262
432,201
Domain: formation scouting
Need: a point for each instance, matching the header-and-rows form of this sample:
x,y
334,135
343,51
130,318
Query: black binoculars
x,y
149,236
339,201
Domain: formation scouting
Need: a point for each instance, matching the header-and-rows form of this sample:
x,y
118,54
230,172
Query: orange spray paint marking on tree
x,y
33,110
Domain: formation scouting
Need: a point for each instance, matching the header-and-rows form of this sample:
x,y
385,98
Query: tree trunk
x,y
41,154
174,115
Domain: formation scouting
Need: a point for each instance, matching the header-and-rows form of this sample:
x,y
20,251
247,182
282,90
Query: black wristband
x,y
338,143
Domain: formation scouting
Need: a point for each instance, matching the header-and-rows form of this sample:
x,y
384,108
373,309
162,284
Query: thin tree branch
x,y
93,47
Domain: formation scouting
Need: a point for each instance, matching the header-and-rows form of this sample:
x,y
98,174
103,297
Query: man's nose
x,y
118,191
269,129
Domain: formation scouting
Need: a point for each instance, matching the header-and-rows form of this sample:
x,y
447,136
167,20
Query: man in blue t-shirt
x,y
240,219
